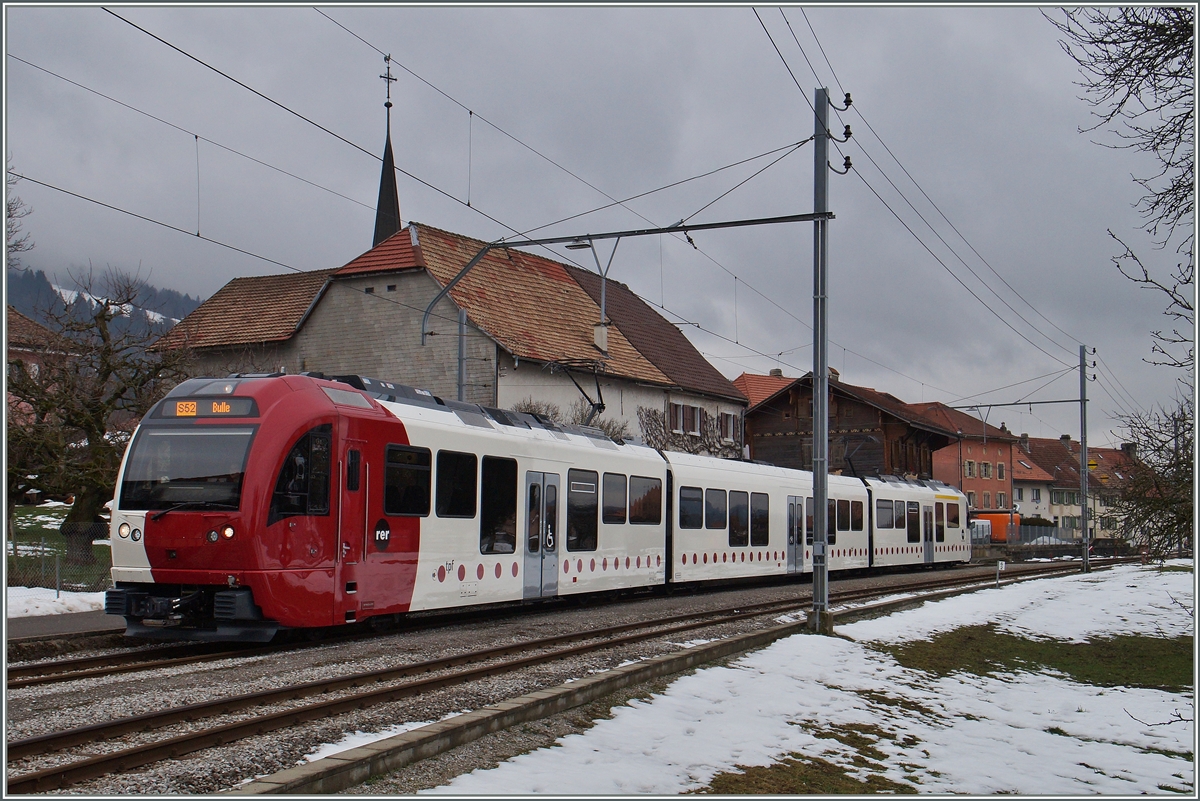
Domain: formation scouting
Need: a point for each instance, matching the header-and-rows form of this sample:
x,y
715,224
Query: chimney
x,y
601,335
1129,449
1025,442
776,372
1065,439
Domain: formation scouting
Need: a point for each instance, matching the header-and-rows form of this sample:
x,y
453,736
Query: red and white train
x,y
253,503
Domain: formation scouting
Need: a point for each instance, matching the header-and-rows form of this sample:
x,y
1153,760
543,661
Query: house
x,y
528,334
980,461
1108,470
870,432
1031,484
30,342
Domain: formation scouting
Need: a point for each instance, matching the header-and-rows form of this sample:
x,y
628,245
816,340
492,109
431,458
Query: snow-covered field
x,y
30,601
1030,733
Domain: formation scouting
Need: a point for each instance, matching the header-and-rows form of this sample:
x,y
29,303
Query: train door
x,y
541,535
795,534
927,532
352,527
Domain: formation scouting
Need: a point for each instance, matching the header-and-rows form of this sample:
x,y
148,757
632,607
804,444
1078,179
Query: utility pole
x,y
1083,460
819,619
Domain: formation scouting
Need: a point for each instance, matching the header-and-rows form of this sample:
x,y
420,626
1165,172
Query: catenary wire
x,y
190,133
920,216
953,227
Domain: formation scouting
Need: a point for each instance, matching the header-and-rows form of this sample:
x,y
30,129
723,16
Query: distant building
x,y
1059,459
979,463
870,432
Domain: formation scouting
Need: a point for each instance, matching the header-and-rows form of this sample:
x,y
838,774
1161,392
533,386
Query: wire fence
x,y
75,558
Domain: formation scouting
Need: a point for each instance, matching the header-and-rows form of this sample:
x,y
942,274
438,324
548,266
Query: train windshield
x,y
198,466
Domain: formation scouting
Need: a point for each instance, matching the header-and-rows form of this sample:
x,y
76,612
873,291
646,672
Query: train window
x,y
535,519
883,514
843,515
691,507
714,509
810,517
498,506
914,521
167,466
899,514
303,484
760,519
952,515
940,525
856,516
831,522
614,498
581,510
353,470
551,515
406,481
739,519
645,500
456,484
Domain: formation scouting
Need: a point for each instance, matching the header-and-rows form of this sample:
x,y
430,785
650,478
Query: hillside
x,y
32,293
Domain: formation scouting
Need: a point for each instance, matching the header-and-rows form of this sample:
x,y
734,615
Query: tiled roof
x,y
1025,469
954,420
1060,459
661,343
1055,459
263,308
757,388
529,304
26,334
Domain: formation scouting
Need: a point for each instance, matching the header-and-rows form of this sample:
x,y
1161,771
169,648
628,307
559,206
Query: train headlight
x,y
227,532
136,534
212,535
123,530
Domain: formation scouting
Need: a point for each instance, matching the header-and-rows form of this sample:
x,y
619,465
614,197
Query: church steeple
x,y
387,209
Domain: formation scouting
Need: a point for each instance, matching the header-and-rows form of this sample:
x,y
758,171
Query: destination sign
x,y
209,407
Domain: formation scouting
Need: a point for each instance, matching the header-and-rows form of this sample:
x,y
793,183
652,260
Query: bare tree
x,y
71,417
1137,74
15,210
1156,501
577,414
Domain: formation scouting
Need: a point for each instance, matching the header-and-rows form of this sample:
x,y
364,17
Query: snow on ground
x,y
1030,733
30,601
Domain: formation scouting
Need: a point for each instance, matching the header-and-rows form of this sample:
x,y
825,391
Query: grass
x,y
1122,661
33,543
801,775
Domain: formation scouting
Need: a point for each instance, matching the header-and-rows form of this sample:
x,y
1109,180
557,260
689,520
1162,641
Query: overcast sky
x,y
574,107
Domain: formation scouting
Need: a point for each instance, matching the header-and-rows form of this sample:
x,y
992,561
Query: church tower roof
x,y
387,208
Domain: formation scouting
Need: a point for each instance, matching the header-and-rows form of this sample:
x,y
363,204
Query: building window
x,y
370,290
391,287
685,419
730,427
987,500
1000,471
1001,501
971,500
970,469
985,469
1035,495
1019,493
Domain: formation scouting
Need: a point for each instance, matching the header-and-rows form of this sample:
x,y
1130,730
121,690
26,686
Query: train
x,y
257,503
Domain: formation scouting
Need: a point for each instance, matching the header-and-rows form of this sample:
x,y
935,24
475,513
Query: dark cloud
x,y
978,104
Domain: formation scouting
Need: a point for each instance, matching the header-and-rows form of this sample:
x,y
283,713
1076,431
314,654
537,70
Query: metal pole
x,y
820,620
1083,460
462,354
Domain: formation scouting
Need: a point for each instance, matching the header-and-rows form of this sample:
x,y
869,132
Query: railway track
x,y
63,670
351,695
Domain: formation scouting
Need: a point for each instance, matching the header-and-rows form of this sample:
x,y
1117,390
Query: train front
x,y
194,556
